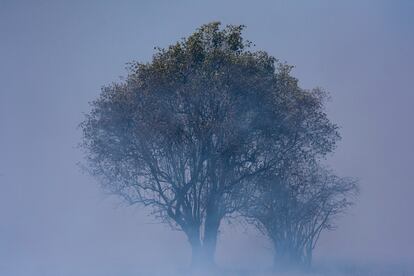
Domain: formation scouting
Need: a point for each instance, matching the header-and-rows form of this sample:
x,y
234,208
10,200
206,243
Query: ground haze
x,y
55,55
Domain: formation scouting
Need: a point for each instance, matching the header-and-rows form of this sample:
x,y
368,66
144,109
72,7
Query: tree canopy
x,y
185,133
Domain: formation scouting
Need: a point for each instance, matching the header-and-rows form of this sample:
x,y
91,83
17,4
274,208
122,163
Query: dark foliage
x,y
187,132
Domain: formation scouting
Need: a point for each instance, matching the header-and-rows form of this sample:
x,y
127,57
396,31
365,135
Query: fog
x,y
55,56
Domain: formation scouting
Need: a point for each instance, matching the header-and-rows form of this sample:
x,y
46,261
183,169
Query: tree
x,y
185,133
294,206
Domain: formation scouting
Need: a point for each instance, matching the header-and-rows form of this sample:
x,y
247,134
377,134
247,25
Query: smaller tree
x,y
293,207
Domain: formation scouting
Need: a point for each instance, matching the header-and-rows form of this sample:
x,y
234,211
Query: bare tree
x,y
184,133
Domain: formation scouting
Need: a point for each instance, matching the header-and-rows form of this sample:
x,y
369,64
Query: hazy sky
x,y
55,56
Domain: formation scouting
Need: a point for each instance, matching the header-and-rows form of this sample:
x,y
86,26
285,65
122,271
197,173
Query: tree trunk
x,y
196,255
285,257
193,236
211,228
210,243
202,256
203,248
308,255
